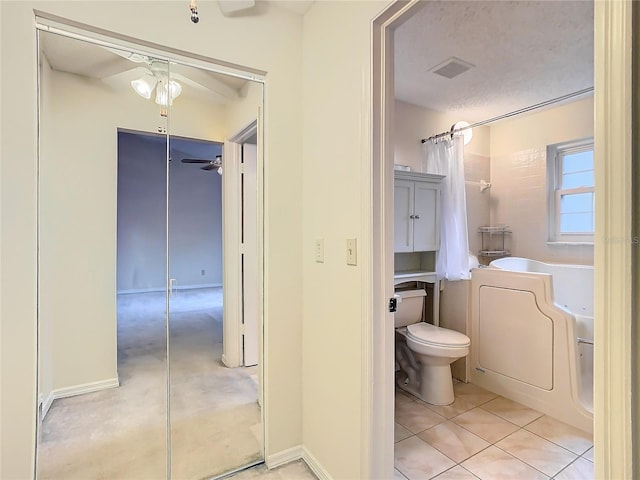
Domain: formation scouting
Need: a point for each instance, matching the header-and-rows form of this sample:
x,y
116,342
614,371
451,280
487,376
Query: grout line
x,y
526,463
494,444
565,467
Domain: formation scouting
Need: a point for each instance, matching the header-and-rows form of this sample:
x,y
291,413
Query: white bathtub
x,y
526,319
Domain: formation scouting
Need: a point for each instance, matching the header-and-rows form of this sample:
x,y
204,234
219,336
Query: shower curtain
x,y
446,157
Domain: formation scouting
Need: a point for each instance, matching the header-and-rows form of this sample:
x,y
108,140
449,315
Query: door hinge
x,y
242,169
393,305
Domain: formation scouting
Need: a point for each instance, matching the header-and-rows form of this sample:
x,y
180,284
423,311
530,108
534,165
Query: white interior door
x,y
250,254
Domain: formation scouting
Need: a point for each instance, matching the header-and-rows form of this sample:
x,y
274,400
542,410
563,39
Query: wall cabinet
x,y
416,212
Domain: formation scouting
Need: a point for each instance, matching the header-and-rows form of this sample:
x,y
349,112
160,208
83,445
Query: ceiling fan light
x,y
162,97
144,86
175,89
167,92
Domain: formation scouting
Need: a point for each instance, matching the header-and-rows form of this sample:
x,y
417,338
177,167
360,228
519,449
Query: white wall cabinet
x,y
416,212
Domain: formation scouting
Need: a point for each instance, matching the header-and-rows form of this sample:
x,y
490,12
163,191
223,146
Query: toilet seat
x,y
428,334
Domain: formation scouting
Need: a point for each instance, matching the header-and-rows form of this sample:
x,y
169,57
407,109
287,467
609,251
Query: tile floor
x,y
482,435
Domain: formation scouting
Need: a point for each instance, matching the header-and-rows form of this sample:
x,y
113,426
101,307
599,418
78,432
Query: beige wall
x,y
413,123
519,178
242,112
270,42
336,145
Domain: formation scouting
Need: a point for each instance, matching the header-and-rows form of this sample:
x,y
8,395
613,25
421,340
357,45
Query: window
x,y
571,192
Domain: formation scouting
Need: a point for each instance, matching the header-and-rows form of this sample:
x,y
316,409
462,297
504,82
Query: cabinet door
x,y
402,211
426,235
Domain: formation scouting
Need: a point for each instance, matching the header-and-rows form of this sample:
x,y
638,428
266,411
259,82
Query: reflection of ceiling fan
x,y
215,164
163,81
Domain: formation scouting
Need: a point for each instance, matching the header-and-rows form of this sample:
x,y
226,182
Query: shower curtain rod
x,y
511,114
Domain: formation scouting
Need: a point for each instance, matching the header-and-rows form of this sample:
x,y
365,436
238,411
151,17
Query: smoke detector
x,y
452,67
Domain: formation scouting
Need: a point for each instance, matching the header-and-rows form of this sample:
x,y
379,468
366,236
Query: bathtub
x,y
532,336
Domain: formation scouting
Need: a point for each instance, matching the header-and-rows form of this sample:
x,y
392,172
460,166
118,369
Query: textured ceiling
x,y
524,53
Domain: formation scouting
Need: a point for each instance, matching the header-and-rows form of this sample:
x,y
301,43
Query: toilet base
x,y
436,385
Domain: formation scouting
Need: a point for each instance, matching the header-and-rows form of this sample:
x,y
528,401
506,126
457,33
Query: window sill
x,y
561,242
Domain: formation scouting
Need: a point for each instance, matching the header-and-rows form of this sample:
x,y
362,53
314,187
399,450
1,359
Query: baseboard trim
x,y
46,405
285,456
162,289
84,388
315,466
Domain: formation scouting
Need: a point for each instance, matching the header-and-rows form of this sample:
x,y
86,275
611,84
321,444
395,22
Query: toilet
x,y
425,352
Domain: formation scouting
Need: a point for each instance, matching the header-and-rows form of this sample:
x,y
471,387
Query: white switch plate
x,y
319,250
352,251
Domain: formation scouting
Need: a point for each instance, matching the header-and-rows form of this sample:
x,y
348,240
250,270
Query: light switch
x,y
352,251
319,250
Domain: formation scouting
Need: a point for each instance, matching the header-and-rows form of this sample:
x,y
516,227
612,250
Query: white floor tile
x,y
541,454
562,434
454,441
485,425
511,411
416,417
494,464
417,460
581,469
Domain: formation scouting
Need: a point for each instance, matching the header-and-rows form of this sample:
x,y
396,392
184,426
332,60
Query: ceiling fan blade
x,y
211,166
134,57
196,160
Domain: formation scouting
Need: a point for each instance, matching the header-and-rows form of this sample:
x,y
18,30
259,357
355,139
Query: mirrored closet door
x,y
102,355
214,411
133,378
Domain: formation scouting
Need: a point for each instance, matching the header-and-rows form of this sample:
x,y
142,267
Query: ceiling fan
x,y
215,164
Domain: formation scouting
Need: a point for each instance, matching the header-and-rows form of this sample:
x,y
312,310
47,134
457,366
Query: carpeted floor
x,y
121,433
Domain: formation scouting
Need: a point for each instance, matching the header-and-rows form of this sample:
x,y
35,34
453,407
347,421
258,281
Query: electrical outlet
x,y
319,250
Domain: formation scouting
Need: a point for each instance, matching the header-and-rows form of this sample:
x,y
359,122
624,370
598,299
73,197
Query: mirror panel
x,y
102,354
215,416
143,368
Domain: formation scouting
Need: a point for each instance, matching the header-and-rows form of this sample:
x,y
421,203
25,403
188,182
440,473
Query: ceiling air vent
x,y
451,67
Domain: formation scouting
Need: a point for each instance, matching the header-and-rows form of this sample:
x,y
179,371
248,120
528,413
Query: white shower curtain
x,y
446,157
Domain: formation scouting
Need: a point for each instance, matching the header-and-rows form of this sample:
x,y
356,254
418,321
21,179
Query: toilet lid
x,y
443,337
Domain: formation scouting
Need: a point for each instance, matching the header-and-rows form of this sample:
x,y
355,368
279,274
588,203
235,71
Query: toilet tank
x,y
410,307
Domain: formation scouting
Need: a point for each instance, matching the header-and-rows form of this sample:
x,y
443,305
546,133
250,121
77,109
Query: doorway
x,y
382,175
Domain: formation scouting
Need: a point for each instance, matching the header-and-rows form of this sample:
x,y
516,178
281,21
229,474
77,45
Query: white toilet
x,y
425,352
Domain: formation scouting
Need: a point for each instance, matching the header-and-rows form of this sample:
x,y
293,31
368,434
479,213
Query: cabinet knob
x,y
416,216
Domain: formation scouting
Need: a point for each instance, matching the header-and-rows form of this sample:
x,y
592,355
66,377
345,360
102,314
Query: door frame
x,y
614,423
232,292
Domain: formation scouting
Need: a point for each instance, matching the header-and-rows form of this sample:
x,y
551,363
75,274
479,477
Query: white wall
x,y
141,216
271,42
519,178
195,216
336,148
77,234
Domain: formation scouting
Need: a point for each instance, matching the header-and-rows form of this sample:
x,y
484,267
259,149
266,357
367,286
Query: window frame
x,y
555,154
